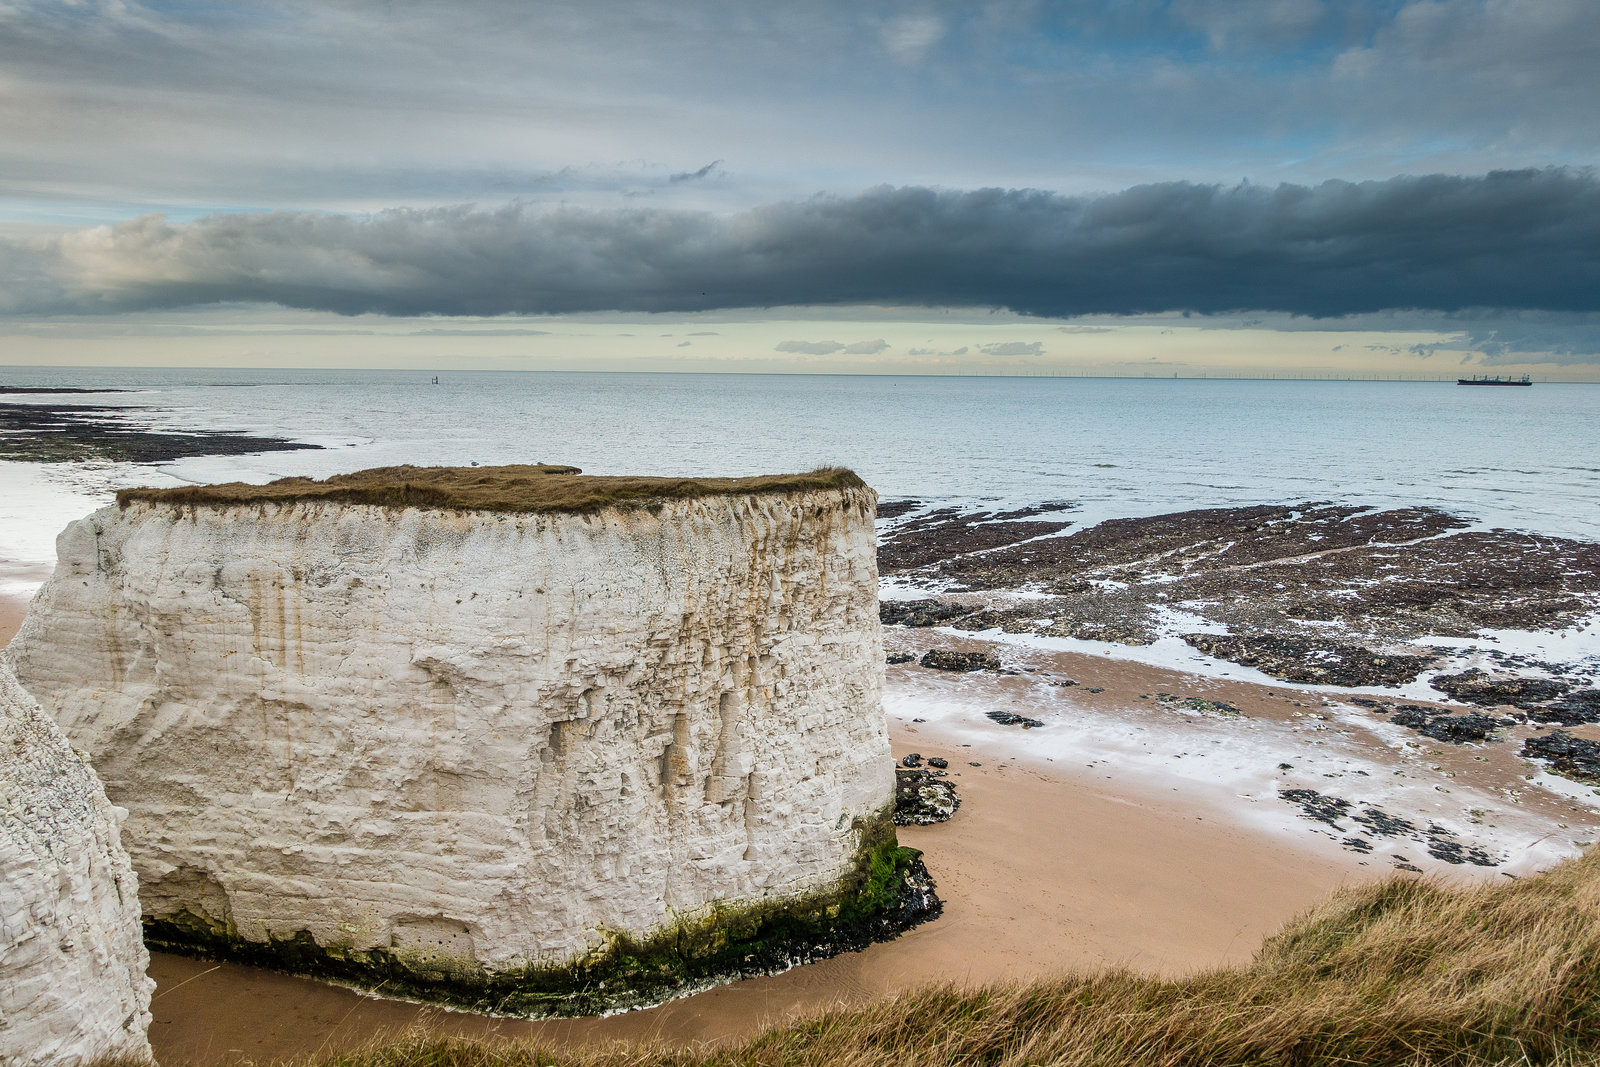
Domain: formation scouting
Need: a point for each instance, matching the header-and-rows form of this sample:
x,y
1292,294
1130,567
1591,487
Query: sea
x,y
1519,458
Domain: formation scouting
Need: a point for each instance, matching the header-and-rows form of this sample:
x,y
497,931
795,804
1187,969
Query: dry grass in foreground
x,y
518,488
1401,972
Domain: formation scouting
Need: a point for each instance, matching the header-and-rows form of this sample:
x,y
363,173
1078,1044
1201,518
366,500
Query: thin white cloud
x,y
907,38
828,348
1012,348
355,104
866,348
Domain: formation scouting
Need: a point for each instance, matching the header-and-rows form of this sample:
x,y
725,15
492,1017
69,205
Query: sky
x,y
1298,187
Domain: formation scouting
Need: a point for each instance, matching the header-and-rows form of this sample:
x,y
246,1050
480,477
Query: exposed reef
x,y
939,535
1479,687
1437,724
64,433
1312,662
1311,593
1577,758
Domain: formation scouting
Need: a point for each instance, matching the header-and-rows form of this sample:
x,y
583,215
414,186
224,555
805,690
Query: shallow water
x,y
1523,458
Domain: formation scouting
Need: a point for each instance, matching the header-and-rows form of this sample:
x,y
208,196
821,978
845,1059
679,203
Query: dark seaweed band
x,y
887,891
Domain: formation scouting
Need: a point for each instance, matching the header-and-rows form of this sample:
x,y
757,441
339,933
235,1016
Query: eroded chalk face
x,y
470,747
72,964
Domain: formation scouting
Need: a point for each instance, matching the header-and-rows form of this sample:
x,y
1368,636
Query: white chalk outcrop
x,y
469,741
72,962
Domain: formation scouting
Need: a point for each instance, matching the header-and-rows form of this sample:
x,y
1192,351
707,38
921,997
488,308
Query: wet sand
x,y
12,612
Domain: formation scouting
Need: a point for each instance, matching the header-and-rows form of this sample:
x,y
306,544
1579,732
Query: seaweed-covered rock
x,y
1199,704
962,662
919,612
1317,807
1382,824
1006,718
1442,726
1575,709
1441,843
1477,686
895,658
1577,758
1316,663
921,799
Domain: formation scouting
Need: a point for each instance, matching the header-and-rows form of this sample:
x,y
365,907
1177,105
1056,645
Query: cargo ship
x,y
1524,380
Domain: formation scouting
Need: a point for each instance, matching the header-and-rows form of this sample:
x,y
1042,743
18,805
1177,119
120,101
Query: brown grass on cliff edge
x,y
1399,972
518,488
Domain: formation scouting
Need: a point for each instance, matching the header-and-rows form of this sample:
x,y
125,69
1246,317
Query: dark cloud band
x,y
1522,240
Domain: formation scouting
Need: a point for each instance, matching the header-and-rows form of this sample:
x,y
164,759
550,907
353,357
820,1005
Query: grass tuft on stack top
x,y
518,488
1399,972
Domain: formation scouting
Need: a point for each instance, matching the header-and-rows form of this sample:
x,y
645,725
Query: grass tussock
x,y
520,488
1400,972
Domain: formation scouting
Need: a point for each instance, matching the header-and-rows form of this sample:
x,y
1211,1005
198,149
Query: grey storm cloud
x,y
1505,343
1525,239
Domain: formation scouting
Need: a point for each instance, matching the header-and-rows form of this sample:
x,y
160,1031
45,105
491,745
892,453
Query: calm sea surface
x,y
1524,458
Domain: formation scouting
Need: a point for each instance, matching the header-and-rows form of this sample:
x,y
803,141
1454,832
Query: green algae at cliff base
x,y
886,892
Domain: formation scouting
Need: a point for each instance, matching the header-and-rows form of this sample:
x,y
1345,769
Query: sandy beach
x,y
13,609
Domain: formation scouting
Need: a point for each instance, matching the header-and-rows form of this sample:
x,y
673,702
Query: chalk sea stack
x,y
509,737
72,983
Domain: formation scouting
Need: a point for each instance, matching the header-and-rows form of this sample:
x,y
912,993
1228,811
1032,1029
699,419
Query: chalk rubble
x,y
72,961
475,741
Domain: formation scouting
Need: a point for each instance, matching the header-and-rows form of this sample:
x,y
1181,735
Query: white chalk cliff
x,y
473,742
72,963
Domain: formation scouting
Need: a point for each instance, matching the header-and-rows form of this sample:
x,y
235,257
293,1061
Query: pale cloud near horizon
x,y
746,342
828,348
1012,348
